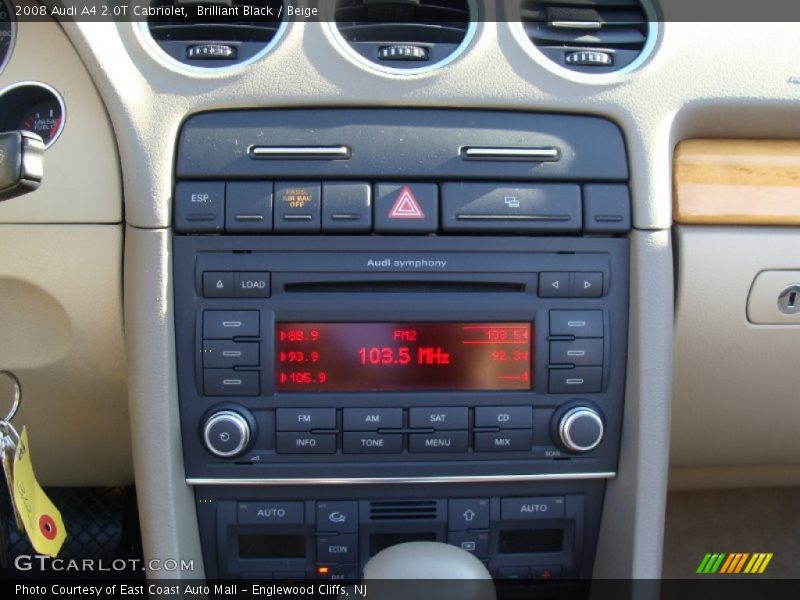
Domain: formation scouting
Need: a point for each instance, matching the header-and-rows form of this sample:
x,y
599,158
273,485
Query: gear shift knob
x,y
462,575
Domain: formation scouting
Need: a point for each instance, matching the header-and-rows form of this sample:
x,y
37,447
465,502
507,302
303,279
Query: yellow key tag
x,y
40,517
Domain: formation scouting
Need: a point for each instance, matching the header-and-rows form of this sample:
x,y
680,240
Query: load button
x,y
253,285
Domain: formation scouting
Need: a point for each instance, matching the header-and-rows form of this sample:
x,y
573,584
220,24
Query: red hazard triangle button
x,y
406,206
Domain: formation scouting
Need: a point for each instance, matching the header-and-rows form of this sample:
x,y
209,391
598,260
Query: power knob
x,y
226,434
580,429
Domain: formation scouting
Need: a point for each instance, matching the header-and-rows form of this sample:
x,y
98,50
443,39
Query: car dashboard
x,y
505,278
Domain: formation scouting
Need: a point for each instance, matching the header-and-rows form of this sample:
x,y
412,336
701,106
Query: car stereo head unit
x,y
351,359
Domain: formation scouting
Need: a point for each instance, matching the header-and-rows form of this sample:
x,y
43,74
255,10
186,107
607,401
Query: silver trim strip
x,y
546,218
299,152
576,24
397,480
533,154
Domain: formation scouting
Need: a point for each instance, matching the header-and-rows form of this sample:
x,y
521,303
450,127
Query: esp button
x,y
200,206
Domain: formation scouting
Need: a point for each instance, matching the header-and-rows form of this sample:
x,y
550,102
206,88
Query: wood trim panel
x,y
742,182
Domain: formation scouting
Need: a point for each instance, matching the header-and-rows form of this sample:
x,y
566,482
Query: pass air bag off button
x,y
271,513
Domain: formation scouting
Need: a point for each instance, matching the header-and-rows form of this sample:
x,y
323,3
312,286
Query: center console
x,y
398,325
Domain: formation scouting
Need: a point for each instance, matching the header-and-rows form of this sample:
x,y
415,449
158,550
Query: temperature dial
x,y
226,434
580,429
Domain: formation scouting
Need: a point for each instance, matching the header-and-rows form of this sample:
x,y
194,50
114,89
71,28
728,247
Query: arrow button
x,y
588,285
469,513
554,285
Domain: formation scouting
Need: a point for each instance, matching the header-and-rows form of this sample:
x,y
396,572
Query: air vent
x,y
404,36
403,510
588,36
215,34
6,33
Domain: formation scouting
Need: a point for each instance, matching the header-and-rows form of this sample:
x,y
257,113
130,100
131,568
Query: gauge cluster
x,y
6,33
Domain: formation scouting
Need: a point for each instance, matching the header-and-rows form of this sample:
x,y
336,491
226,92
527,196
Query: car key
x,y
7,450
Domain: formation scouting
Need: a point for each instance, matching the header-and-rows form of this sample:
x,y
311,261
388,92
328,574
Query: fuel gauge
x,y
32,106
43,119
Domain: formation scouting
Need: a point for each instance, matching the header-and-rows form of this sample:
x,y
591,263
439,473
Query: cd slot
x,y
403,283
404,287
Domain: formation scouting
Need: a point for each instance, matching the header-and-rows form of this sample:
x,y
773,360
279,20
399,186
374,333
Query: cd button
x,y
439,442
439,418
505,417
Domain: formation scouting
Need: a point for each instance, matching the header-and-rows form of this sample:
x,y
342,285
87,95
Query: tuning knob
x,y
580,429
226,434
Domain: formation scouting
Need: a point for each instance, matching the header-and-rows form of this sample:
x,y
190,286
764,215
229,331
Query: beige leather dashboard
x,y
61,280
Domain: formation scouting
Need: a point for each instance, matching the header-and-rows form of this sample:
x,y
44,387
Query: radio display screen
x,y
357,357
